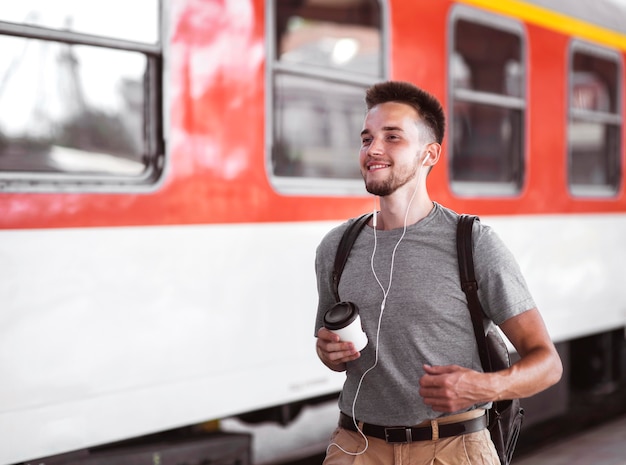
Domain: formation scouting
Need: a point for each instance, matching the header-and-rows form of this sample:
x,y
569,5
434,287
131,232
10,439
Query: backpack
x,y
505,416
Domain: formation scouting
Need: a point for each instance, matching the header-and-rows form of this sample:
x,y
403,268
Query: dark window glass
x,y
487,145
317,128
487,121
326,55
595,124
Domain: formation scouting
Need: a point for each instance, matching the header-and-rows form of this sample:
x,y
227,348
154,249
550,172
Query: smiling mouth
x,y
376,167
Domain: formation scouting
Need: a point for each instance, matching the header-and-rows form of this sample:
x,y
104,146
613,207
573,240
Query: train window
x,y
121,19
487,85
323,55
78,110
595,122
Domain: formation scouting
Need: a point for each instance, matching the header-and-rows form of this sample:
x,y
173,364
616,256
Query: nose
x,y
375,147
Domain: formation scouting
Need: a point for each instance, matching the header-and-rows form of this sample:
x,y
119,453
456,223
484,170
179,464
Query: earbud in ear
x,y
425,158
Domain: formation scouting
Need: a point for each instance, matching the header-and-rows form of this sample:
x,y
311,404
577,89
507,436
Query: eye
x,y
366,140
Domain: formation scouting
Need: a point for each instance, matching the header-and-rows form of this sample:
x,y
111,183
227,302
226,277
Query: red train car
x,y
167,170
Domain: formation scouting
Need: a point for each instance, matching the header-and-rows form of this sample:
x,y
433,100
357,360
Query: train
x,y
167,169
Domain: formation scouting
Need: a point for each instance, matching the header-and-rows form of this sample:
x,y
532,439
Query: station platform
x,y
601,445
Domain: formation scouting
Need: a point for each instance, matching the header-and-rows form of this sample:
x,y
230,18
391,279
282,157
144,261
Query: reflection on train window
x,y
595,122
316,135
76,109
324,55
137,20
487,81
69,118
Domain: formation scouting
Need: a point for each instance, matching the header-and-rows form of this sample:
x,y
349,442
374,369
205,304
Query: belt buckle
x,y
408,434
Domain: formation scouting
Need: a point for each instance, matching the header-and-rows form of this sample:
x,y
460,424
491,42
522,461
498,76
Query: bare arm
x,y
452,388
539,366
332,352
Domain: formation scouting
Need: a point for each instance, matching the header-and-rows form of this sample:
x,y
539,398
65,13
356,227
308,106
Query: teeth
x,y
375,167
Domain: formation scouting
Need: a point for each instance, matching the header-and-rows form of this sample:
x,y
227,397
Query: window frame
x,y
508,25
583,191
154,145
313,185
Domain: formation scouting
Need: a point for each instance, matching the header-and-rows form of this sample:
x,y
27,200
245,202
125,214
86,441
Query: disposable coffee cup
x,y
343,319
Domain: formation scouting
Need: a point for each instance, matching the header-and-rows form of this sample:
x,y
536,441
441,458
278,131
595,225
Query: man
x,y
421,366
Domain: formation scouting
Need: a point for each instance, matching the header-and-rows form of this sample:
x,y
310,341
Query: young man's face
x,y
392,147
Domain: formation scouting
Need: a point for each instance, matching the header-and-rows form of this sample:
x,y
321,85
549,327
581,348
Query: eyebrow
x,y
385,128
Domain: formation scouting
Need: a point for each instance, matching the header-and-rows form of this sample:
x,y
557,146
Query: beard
x,y
393,182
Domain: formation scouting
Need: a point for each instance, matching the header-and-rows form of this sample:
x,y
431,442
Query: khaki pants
x,y
468,449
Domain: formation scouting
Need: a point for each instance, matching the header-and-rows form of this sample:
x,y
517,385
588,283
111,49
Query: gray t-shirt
x,y
426,319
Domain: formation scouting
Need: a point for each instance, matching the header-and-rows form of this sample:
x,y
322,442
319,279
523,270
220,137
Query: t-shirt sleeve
x,y
502,288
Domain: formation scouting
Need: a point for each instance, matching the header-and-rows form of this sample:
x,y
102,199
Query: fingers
x,y
443,389
332,351
327,335
435,389
440,369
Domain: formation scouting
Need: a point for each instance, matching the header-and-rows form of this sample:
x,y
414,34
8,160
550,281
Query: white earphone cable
x,y
380,317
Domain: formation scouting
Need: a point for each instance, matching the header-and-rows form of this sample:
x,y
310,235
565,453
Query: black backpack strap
x,y
470,286
343,250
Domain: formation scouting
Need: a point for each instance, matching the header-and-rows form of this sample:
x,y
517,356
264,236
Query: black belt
x,y
405,434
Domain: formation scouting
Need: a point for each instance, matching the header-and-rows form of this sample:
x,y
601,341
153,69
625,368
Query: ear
x,y
433,152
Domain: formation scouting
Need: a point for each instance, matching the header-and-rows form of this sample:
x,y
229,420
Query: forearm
x,y
536,371
539,366
453,388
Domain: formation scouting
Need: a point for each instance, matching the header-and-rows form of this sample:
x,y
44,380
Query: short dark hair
x,y
426,105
